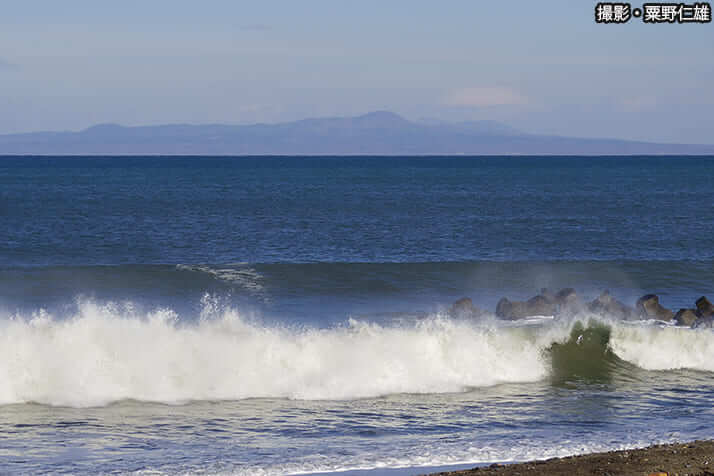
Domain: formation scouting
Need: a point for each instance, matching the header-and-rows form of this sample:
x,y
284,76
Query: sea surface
x,y
289,315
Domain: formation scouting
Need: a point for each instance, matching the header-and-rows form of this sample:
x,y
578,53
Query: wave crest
x,y
106,353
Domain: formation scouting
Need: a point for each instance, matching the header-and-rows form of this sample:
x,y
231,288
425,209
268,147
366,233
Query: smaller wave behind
x,y
239,274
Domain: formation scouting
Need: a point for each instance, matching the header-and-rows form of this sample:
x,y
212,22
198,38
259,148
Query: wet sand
x,y
695,458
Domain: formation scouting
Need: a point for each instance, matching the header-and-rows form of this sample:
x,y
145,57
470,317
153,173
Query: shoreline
x,y
695,458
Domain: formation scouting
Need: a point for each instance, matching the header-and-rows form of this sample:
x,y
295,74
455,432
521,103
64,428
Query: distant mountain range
x,y
376,133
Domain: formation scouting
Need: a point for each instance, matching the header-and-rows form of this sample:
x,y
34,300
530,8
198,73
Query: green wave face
x,y
585,356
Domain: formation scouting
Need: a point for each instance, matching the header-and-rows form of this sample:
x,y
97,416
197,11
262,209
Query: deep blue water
x,y
287,314
85,211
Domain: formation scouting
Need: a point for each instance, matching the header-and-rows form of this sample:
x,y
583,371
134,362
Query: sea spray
x,y
105,353
656,347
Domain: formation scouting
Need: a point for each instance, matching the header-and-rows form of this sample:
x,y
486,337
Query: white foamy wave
x,y
653,347
105,353
434,459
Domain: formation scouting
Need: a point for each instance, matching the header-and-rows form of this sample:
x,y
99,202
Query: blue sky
x,y
543,67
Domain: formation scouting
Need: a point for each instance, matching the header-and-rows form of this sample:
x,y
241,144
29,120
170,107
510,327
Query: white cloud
x,y
484,96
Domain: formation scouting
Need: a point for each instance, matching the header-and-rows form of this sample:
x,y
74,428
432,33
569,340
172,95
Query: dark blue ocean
x,y
284,315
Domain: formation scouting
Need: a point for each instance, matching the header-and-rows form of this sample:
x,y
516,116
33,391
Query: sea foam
x,y
106,353
664,348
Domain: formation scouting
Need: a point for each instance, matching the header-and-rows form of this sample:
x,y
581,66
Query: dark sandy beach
x,y
692,459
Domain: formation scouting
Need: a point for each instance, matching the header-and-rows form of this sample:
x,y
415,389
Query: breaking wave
x,y
106,353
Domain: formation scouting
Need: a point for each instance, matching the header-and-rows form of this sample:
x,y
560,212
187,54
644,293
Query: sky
x,y
543,66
